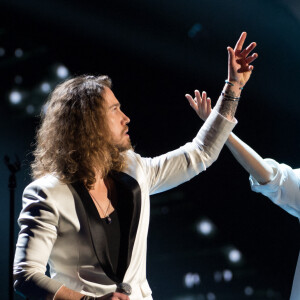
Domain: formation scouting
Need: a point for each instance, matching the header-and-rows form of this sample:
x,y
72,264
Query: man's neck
x,y
99,186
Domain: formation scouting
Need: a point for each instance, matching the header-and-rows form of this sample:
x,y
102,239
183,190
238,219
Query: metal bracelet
x,y
230,97
88,298
231,84
233,100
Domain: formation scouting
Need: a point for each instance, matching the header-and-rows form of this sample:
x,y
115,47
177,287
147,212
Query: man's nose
x,y
126,120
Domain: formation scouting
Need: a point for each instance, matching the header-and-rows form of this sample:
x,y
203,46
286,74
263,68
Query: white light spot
x,y
30,109
45,87
19,52
2,51
15,97
227,274
62,72
205,227
249,291
234,255
191,280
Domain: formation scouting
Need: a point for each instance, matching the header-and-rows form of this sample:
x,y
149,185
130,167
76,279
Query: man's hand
x,y
200,104
114,296
239,72
65,293
239,68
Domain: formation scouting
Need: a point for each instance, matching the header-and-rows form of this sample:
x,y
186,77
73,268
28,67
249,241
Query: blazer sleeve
x,y
38,222
173,168
283,190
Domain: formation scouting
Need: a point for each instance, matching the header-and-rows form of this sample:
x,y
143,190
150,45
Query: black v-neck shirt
x,y
117,232
113,236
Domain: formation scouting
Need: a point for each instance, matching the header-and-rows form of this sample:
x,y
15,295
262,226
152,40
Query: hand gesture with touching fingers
x,y
200,104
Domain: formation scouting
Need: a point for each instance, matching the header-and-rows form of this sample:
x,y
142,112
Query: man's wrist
x,y
232,90
235,82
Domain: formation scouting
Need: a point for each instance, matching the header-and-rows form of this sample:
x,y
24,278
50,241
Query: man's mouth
x,y
126,130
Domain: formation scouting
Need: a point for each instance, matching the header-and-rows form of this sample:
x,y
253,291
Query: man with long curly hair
x,y
87,212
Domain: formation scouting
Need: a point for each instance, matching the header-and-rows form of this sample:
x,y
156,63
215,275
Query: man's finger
x,y
230,55
251,58
119,296
246,51
240,42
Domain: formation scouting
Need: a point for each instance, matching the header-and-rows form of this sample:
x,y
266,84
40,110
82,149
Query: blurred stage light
x,y
205,227
30,109
248,291
211,296
234,255
15,97
62,72
194,30
227,275
218,276
191,280
2,51
18,79
19,52
45,87
44,108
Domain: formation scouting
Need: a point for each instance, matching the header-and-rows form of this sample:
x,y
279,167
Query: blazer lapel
x,y
129,203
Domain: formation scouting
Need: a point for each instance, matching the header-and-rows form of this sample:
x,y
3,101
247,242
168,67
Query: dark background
x,y
155,52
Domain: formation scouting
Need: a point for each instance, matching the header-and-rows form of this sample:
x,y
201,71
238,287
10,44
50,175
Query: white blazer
x,y
59,228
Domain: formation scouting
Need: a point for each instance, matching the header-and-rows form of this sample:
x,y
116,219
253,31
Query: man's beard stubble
x,y
123,148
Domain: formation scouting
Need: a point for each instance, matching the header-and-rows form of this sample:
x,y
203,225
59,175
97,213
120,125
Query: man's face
x,y
117,121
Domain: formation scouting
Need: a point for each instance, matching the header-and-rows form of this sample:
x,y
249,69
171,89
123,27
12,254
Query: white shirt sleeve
x,y
283,190
175,167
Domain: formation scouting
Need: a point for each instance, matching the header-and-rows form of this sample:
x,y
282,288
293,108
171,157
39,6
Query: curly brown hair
x,y
72,141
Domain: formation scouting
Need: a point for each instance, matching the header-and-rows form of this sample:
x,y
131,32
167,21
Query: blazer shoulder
x,y
48,181
49,184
